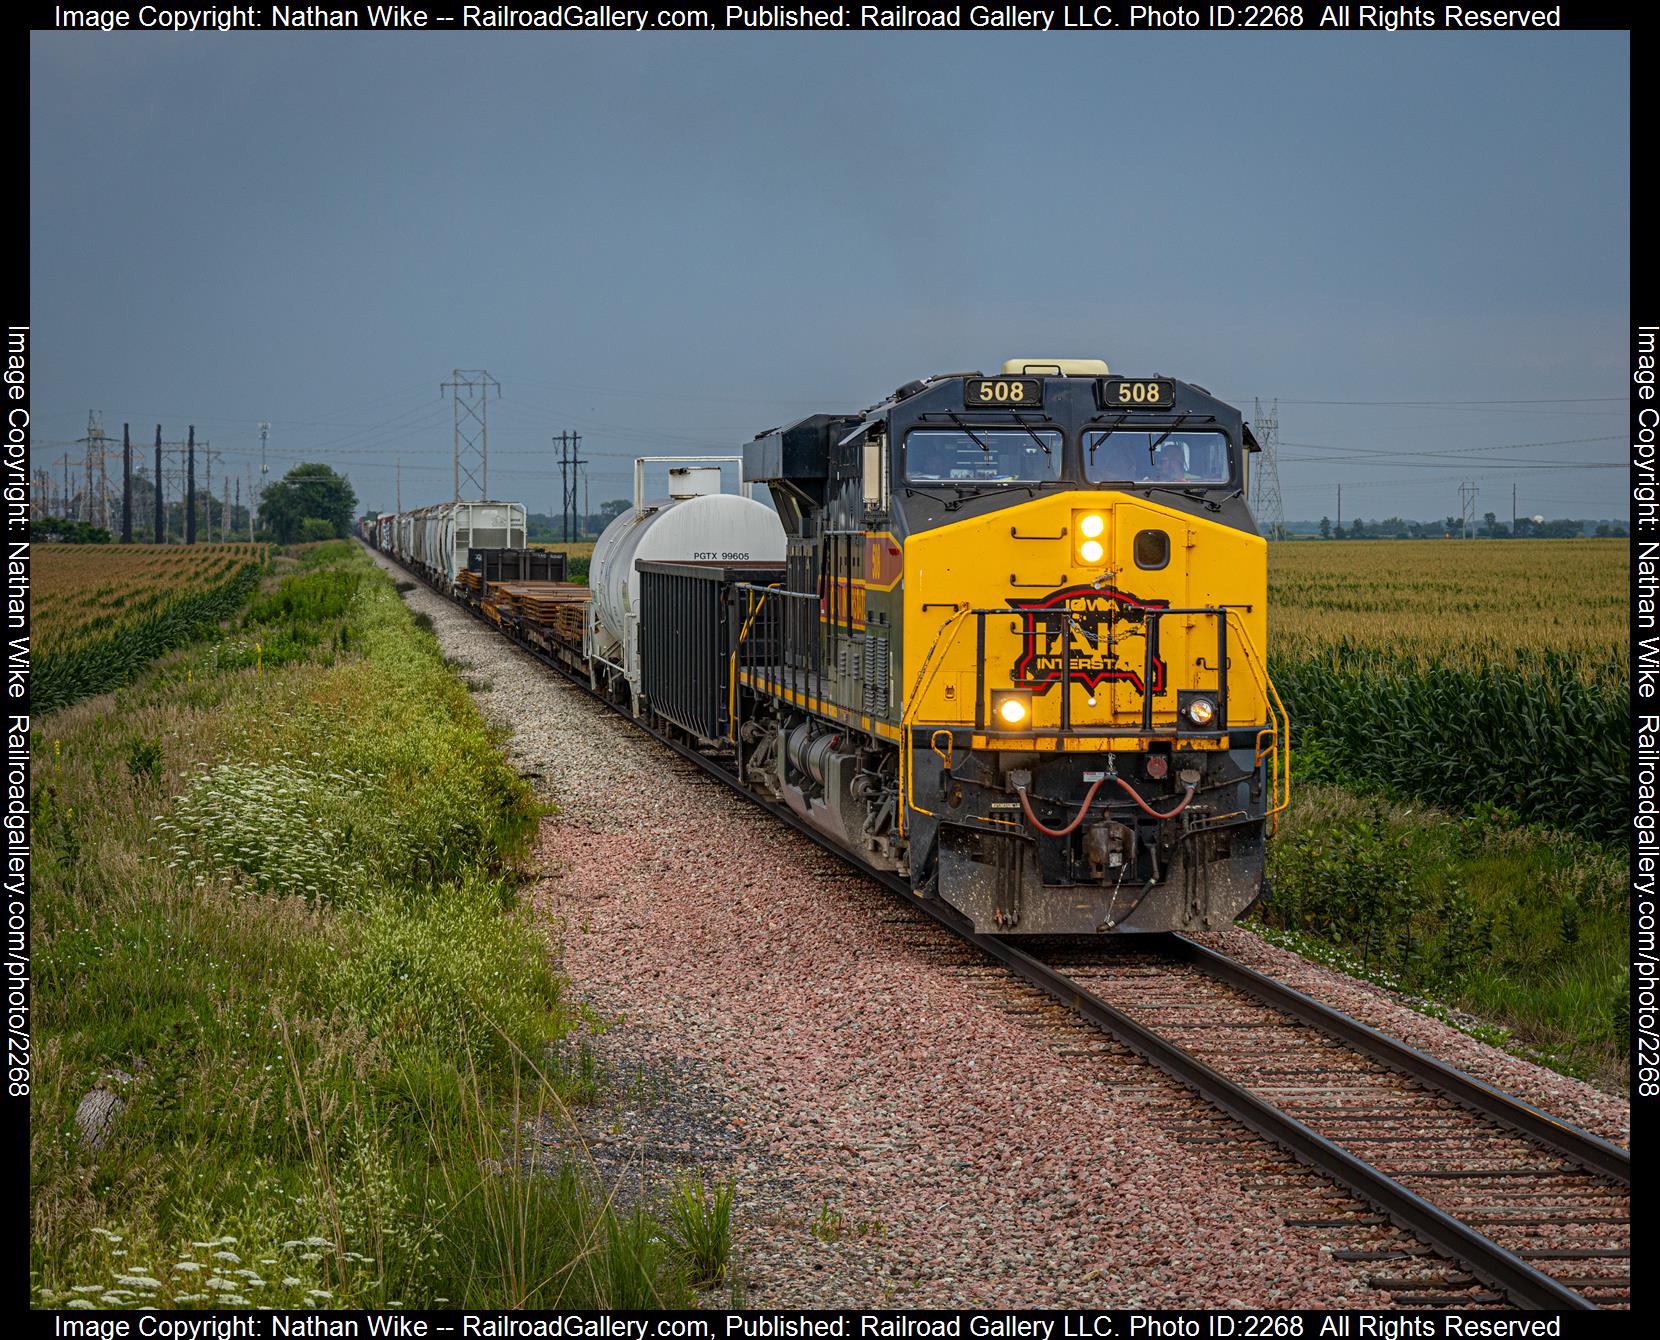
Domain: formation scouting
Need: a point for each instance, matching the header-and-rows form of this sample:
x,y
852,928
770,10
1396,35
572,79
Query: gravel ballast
x,y
902,1129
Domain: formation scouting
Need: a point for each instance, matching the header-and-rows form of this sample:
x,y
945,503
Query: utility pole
x,y
264,432
239,508
64,459
161,498
210,453
586,513
1340,511
225,509
1513,511
126,484
399,495
472,426
1467,507
1270,511
190,489
568,465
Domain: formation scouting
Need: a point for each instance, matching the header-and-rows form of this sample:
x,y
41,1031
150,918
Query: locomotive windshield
x,y
1007,457
1156,456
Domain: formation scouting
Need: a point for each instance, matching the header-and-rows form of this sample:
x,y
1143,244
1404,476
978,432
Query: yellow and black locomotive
x,y
1003,637
1016,650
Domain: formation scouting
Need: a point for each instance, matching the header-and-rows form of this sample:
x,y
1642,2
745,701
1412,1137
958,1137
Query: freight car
x,y
462,547
1002,635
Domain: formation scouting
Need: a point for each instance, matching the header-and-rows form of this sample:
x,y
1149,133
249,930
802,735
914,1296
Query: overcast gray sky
x,y
668,242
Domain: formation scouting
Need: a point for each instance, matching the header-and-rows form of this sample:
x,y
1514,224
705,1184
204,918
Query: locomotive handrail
x,y
807,680
1277,732
1273,741
750,593
907,717
1279,774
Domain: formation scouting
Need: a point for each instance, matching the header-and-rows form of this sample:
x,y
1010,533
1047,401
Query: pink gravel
x,y
988,1172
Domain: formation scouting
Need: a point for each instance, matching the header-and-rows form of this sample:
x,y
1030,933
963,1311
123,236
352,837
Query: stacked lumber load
x,y
555,606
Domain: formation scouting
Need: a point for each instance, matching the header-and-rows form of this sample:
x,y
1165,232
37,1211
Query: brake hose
x,y
1089,799
1181,805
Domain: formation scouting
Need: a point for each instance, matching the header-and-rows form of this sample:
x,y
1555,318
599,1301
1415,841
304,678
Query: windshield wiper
x,y
972,436
1105,433
1193,495
950,504
1031,433
1154,445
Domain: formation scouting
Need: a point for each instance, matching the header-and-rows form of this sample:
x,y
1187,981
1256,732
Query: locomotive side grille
x,y
876,675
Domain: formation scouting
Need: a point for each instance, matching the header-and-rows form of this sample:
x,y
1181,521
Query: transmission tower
x,y
1467,506
95,495
470,392
1270,511
569,464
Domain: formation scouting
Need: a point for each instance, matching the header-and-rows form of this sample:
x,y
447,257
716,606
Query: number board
x,y
979,392
1137,393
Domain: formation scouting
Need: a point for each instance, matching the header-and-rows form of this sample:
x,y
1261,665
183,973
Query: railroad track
x,y
1531,1206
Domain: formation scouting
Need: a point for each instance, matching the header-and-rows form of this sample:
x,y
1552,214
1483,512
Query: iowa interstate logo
x,y
1107,633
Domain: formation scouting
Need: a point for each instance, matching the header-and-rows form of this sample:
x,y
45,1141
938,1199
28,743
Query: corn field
x,y
1463,673
102,612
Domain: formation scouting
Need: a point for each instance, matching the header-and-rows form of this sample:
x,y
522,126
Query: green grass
x,y
1524,927
700,1220
280,901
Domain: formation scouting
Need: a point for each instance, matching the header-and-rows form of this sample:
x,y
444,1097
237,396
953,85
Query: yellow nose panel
x,y
1034,560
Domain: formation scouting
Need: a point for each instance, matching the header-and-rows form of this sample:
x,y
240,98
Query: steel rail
x,y
1451,1237
1590,1152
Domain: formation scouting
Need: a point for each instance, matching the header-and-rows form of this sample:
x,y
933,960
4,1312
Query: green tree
x,y
308,492
610,511
1325,528
64,531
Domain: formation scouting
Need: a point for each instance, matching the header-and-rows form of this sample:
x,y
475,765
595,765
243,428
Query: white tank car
x,y
695,523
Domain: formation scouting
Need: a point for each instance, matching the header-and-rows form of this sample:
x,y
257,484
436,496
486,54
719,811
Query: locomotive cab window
x,y
1156,456
1007,457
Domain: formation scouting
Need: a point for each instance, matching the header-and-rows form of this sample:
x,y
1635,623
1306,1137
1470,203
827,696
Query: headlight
x,y
1201,711
1011,708
1089,530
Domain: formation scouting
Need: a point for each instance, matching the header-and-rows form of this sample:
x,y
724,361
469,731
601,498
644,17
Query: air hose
x,y
1181,805
1089,799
